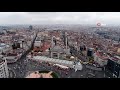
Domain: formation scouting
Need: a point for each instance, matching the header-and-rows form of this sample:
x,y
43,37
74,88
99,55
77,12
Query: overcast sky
x,y
59,17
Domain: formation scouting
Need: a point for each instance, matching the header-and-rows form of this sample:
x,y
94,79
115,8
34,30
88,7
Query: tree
x,y
91,59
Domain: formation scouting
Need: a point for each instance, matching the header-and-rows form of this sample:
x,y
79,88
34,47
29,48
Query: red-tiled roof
x,y
45,46
100,55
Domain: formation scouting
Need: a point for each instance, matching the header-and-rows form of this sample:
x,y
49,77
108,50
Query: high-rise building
x,y
112,69
90,52
3,68
30,27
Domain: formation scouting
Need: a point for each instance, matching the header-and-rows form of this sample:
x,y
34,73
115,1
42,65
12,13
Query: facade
x,y
3,69
118,50
12,59
100,60
56,51
37,43
66,63
90,52
4,47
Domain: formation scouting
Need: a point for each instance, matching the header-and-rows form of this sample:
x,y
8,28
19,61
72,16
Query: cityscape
x,y
55,45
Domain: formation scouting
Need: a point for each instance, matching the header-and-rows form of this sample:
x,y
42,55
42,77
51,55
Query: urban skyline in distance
x,y
38,18
59,45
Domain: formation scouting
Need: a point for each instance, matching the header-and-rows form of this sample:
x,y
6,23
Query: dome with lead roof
x,y
57,49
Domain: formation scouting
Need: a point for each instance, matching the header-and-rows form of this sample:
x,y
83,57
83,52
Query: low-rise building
x,y
100,59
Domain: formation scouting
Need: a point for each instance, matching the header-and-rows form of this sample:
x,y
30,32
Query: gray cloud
x,y
59,17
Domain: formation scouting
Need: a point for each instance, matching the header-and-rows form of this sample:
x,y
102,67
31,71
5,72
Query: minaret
x,y
66,42
52,46
52,41
66,39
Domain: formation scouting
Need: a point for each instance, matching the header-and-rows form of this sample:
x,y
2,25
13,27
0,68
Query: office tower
x,y
90,52
30,27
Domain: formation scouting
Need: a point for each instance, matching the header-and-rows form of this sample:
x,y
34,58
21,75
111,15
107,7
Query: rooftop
x,y
101,55
57,49
2,44
36,74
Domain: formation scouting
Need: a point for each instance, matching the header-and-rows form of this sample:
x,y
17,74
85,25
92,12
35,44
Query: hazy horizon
x,y
44,18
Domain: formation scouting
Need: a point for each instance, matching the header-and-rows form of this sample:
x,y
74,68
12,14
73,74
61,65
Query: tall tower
x,y
52,41
66,41
30,27
3,68
99,26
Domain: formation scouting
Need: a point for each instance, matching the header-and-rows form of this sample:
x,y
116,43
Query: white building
x,y
37,43
3,69
29,43
4,47
77,66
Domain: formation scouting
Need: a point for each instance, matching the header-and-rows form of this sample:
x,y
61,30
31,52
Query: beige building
x,y
100,60
118,50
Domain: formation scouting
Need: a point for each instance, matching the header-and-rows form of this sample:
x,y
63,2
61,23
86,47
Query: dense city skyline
x,y
59,18
58,51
